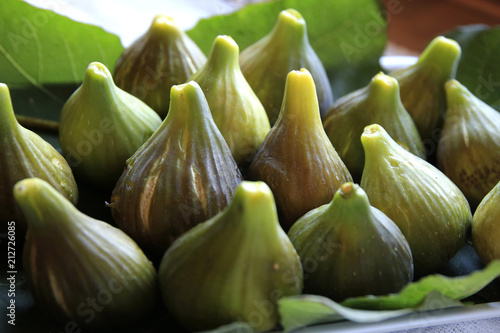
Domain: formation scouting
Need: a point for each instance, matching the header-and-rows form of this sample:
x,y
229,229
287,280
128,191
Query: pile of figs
x,y
235,179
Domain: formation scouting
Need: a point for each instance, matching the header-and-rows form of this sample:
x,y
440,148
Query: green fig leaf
x,y
478,68
429,293
39,47
348,41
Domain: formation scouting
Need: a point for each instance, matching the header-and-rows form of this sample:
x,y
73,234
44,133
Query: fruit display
x,y
164,56
469,146
237,111
219,187
267,63
24,154
427,206
357,249
101,126
183,175
296,159
377,103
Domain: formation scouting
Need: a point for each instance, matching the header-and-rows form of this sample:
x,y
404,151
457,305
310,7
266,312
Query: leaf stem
x,y
38,124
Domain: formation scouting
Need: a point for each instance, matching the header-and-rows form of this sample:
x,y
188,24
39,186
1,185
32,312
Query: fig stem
x,y
38,124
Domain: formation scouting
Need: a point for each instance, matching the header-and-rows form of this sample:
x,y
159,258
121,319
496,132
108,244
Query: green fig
x,y
427,206
267,63
162,57
237,111
296,159
422,85
486,226
183,175
349,248
80,269
469,146
377,103
101,126
24,154
233,267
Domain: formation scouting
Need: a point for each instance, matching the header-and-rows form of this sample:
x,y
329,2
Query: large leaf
x,y
430,293
479,67
348,41
40,47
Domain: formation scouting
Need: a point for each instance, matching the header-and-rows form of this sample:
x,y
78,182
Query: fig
x,y
101,126
183,175
422,86
431,211
233,267
267,62
80,269
237,111
469,146
486,226
24,154
296,159
162,57
377,103
349,248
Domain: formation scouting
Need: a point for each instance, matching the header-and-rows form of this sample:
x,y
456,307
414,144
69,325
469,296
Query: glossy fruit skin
x,y
469,146
101,126
422,86
267,63
297,159
233,267
427,206
377,103
164,56
24,154
349,248
80,269
486,226
237,111
183,175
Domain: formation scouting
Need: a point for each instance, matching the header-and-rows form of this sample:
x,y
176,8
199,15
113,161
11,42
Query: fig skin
x,y
349,248
232,266
377,103
486,227
469,147
297,159
267,62
101,126
164,56
24,154
422,86
183,175
80,269
427,206
237,111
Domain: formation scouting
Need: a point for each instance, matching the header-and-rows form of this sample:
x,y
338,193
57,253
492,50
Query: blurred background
x,y
413,23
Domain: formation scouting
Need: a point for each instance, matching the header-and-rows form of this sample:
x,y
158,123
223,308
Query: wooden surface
x,y
413,23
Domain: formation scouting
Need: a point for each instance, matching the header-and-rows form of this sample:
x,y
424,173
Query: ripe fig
x,y
101,126
422,85
427,206
469,147
296,159
232,266
377,103
486,226
24,154
80,269
183,175
237,111
267,63
349,248
162,57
